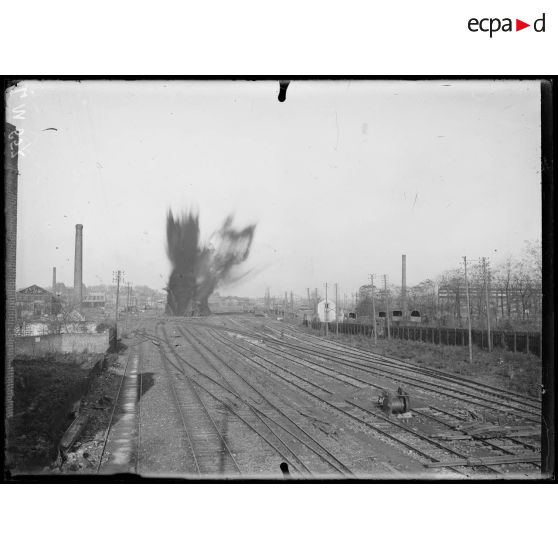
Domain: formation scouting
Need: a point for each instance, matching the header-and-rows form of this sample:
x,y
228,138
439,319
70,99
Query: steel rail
x,y
361,421
495,446
107,431
477,400
428,440
179,407
373,357
473,436
198,398
256,412
305,363
232,411
344,469
370,358
271,362
388,374
140,395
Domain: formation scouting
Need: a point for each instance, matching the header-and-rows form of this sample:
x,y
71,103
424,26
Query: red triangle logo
x,y
519,25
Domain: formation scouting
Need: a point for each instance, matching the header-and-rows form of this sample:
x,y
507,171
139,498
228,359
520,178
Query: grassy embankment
x,y
517,372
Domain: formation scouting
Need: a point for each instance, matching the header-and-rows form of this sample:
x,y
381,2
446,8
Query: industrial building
x,y
35,301
95,300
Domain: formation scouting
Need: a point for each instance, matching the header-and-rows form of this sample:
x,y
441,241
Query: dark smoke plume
x,y
197,270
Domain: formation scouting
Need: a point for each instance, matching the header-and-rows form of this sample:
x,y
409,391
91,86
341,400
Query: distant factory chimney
x,y
53,281
404,285
78,266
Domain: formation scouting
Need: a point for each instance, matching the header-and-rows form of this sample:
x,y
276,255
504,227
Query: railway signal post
x,y
485,274
387,307
116,277
336,313
373,310
468,312
326,312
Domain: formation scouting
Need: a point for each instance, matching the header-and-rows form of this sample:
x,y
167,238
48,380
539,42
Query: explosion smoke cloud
x,y
197,270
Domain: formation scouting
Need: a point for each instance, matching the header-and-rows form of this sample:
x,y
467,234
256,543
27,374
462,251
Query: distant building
x,y
34,301
95,300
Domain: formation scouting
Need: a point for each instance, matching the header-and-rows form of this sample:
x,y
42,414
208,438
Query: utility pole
x,y
116,277
336,313
326,312
387,306
316,301
468,312
373,310
292,305
285,306
127,306
485,273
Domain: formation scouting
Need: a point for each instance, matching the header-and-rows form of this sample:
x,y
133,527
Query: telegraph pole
x,y
292,305
326,312
336,313
373,310
468,312
485,273
116,277
387,306
127,306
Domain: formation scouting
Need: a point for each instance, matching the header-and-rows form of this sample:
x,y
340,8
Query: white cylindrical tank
x,y
326,315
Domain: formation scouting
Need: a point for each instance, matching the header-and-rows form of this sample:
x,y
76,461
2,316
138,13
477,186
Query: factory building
x,y
35,301
95,300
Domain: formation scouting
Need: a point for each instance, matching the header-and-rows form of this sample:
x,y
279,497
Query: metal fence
x,y
516,341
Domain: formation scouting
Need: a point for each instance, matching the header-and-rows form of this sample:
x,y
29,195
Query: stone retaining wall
x,y
64,343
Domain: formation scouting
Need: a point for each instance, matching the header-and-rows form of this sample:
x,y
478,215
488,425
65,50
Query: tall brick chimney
x,y
78,266
404,285
53,281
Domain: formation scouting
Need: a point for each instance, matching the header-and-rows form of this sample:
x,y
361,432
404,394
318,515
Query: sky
x,y
341,178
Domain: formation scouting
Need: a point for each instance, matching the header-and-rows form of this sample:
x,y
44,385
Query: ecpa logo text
x,y
492,25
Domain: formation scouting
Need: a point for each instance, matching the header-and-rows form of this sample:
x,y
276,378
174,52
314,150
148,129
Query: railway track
x,y
368,356
494,402
180,365
300,434
346,410
292,460
394,430
208,451
471,392
520,444
506,444
119,450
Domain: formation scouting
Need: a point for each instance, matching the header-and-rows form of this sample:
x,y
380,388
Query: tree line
x,y
514,289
